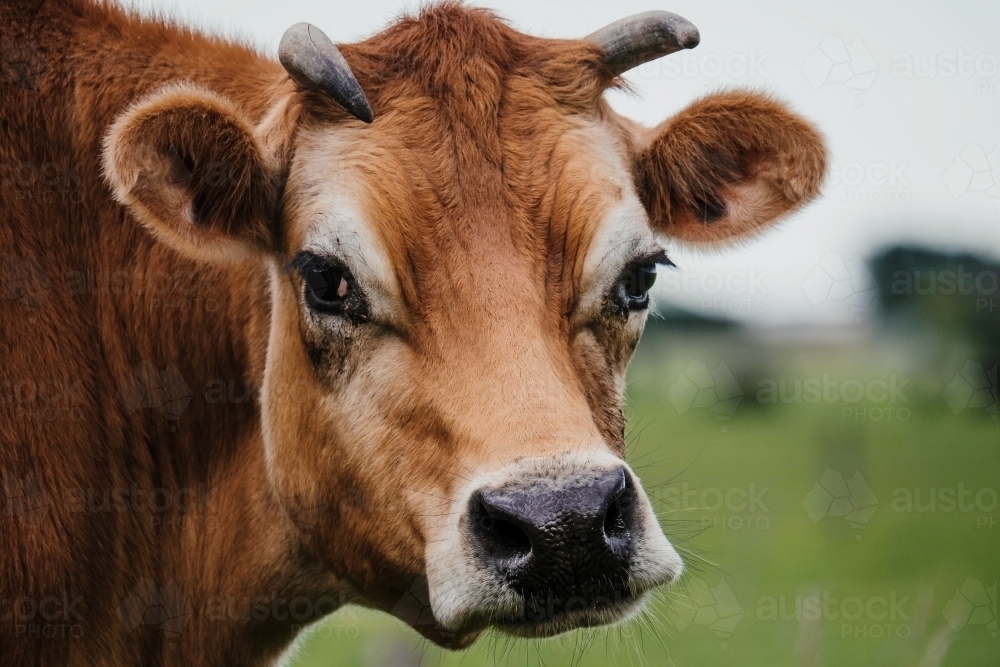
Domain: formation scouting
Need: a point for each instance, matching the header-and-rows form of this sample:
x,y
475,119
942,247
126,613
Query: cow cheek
x,y
600,355
370,532
364,534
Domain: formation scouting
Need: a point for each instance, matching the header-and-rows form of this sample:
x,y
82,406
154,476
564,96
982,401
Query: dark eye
x,y
326,287
640,279
633,287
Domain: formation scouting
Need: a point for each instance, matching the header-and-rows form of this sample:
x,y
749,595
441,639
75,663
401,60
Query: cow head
x,y
456,289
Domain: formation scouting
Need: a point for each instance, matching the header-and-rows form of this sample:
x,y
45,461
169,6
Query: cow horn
x,y
643,37
315,62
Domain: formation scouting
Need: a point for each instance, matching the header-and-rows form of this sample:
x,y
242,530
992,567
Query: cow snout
x,y
547,544
559,543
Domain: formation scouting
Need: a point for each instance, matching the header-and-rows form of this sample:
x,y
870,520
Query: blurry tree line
x,y
953,295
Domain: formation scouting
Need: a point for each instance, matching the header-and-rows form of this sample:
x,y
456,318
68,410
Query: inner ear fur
x,y
187,163
727,166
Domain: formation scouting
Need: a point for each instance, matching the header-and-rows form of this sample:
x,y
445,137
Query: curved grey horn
x,y
643,37
315,62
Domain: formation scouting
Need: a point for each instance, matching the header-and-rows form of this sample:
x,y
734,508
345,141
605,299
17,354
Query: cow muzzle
x,y
547,545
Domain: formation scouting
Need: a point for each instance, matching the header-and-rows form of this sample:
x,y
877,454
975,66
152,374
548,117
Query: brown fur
x,y
478,178
194,172
727,165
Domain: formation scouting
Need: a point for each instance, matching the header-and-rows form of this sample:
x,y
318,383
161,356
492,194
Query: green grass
x,y
745,562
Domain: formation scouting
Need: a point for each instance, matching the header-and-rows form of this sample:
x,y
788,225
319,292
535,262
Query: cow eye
x,y
633,286
327,287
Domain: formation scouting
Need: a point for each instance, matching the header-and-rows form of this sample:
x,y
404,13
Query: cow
x,y
346,326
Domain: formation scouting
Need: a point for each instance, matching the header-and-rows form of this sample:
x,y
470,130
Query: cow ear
x,y
727,166
188,165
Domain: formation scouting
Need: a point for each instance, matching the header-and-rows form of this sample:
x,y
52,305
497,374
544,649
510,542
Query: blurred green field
x,y
829,533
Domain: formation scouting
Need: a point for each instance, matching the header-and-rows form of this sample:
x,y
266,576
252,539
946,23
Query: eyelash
x,y
631,290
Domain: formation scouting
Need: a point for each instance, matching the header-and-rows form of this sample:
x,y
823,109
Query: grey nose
x,y
566,542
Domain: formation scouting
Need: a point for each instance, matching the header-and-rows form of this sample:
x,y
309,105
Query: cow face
x,y
456,290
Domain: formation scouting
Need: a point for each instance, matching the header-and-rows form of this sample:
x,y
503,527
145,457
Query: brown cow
x,y
262,357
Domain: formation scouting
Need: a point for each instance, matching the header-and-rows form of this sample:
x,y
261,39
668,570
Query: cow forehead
x,y
403,213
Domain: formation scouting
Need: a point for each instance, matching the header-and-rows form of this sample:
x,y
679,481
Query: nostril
x,y
508,541
617,517
499,538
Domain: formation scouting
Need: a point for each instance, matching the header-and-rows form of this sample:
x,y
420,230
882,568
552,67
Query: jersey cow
x,y
348,326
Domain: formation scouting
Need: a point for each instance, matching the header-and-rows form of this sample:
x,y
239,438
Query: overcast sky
x,y
907,94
